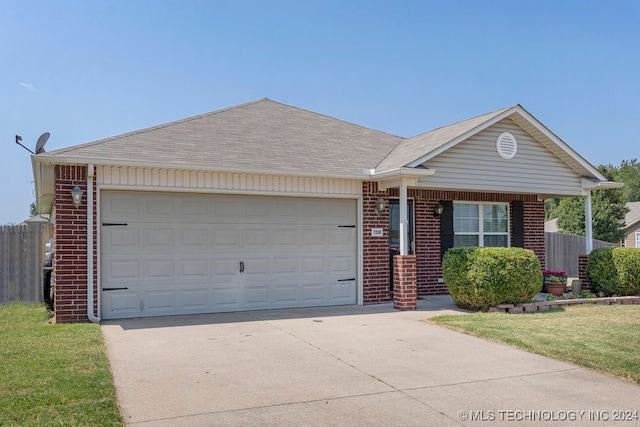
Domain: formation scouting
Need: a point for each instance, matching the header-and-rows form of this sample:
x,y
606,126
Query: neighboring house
x,y
264,205
632,226
631,220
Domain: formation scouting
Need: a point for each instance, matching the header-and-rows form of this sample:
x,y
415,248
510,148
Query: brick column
x,y
70,264
583,260
405,292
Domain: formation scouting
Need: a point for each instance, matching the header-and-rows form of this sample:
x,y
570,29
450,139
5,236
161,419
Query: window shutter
x,y
446,226
517,221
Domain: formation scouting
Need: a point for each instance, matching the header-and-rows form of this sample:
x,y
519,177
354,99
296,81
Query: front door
x,y
394,232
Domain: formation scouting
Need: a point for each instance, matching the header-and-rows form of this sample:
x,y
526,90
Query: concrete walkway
x,y
345,366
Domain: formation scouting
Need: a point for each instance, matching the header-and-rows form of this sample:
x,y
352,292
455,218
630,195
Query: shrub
x,y
479,278
614,271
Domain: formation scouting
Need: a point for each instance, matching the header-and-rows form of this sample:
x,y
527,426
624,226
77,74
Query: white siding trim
x,y
144,179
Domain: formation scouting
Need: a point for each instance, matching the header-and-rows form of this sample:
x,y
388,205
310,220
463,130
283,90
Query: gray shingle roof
x,y
633,216
265,136
258,136
418,146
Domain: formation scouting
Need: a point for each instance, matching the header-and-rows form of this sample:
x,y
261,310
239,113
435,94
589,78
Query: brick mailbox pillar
x,y
405,291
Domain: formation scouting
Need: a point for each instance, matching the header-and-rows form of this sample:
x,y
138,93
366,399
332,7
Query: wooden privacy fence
x,y
562,250
21,261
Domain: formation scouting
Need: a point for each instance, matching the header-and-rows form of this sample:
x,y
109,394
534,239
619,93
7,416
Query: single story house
x,y
632,226
264,205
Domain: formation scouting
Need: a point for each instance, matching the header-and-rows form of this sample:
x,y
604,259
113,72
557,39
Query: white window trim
x,y
480,233
638,239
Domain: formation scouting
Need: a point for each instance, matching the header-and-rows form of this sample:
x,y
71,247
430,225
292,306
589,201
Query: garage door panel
x,y
196,238
121,303
226,298
194,299
122,238
313,293
159,239
226,239
257,296
193,208
284,295
155,269
124,206
343,291
183,253
160,301
119,270
194,270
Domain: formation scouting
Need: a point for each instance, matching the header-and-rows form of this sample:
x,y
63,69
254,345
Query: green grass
x,y
53,375
600,337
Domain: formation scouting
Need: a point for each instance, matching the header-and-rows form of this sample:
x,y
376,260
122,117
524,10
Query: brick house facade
x,y
128,170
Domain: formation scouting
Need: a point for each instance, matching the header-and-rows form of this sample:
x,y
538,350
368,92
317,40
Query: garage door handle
x,y
241,266
346,280
115,289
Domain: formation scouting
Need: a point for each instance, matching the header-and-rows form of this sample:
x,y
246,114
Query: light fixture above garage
x,y
76,194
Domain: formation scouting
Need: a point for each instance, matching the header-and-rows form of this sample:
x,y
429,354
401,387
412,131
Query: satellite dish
x,y
41,141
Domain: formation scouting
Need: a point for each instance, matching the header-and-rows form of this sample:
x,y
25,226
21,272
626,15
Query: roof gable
x,y
415,151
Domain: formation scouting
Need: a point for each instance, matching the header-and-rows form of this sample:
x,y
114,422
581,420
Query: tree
x,y
629,173
551,209
608,211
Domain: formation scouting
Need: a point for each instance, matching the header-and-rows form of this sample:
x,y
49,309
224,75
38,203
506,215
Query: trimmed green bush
x,y
614,271
479,278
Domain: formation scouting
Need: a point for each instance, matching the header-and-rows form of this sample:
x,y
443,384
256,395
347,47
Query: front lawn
x,y
53,375
605,338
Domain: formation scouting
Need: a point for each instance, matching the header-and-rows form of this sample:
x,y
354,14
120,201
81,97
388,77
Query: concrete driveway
x,y
345,366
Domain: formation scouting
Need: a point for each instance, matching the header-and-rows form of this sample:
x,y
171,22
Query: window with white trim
x,y
637,240
480,224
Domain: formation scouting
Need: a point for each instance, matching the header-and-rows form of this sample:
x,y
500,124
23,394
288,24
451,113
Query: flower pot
x,y
556,289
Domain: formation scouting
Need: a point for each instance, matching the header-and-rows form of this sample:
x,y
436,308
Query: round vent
x,y
506,145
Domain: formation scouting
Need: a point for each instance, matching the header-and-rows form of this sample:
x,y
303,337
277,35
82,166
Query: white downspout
x,y
588,223
90,284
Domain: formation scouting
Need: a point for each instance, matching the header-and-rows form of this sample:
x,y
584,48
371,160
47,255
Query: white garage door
x,y
172,253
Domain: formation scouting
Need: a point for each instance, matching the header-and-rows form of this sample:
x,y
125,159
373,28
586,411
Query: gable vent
x,y
506,145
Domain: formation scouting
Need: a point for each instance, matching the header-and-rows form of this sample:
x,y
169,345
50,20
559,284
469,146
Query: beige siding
x,y
630,240
474,164
166,179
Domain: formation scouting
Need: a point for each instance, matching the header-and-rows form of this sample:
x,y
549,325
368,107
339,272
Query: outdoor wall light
x,y
437,211
76,194
381,205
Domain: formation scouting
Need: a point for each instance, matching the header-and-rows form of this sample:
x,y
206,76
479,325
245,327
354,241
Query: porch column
x,y
404,220
405,291
588,223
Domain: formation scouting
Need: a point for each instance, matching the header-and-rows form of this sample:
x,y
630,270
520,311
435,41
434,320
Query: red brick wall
x,y
70,234
427,236
375,264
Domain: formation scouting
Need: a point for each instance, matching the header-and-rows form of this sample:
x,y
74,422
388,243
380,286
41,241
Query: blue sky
x,y
85,70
